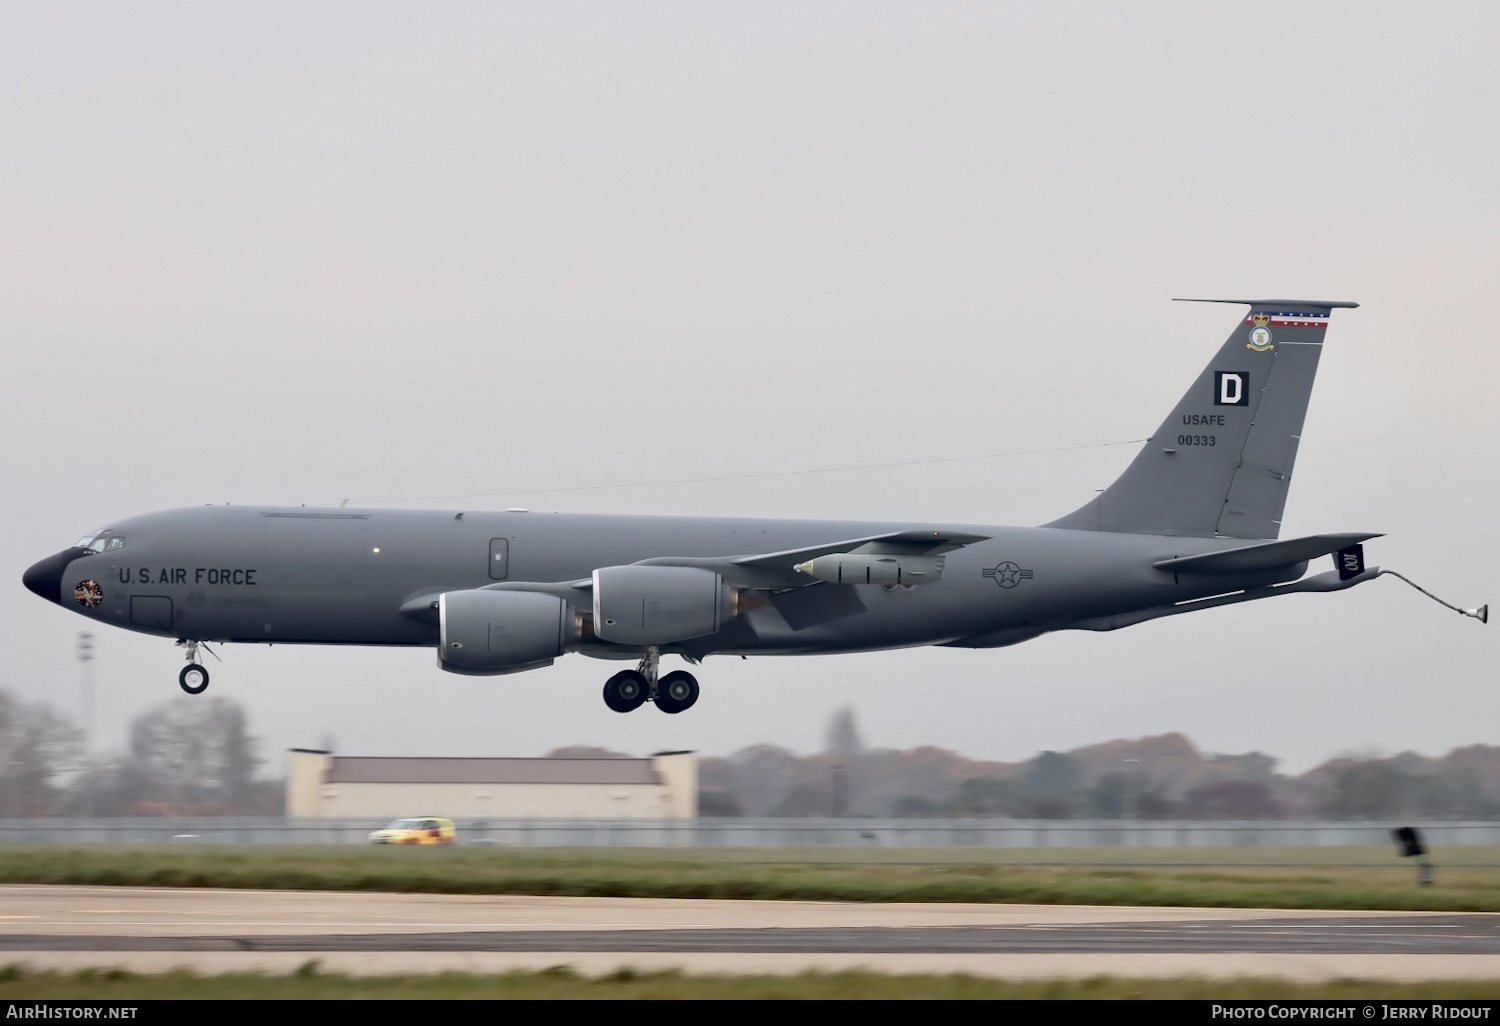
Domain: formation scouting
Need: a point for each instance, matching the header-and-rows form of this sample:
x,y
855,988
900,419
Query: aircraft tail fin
x,y
1221,463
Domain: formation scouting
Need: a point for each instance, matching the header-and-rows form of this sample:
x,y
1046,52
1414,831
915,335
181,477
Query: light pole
x,y
13,786
86,673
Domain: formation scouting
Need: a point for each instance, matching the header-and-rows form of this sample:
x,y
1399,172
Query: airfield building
x,y
322,785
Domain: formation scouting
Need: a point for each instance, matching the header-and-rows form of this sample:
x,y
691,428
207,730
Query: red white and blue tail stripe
x,y
1286,318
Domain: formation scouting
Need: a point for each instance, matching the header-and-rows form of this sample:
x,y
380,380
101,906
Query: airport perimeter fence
x,y
756,833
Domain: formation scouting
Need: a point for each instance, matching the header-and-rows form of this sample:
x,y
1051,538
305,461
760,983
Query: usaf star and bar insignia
x,y
1008,574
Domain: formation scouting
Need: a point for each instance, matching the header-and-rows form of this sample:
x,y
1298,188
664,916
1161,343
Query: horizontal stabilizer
x,y
1266,556
1332,304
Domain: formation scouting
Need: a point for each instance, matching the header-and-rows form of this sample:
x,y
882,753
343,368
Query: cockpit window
x,y
117,541
101,542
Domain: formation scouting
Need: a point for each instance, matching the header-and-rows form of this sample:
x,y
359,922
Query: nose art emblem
x,y
88,594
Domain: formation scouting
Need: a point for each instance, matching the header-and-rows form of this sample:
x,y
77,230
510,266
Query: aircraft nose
x,y
45,578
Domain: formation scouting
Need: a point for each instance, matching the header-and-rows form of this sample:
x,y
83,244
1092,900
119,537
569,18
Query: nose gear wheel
x,y
194,677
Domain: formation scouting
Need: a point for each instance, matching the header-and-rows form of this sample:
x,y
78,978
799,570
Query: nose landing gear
x,y
630,689
194,677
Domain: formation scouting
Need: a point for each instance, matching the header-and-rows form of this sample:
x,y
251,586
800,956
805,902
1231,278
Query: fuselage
x,y
358,576
1190,524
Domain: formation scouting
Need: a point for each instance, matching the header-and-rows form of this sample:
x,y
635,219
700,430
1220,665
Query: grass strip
x,y
310,983
608,873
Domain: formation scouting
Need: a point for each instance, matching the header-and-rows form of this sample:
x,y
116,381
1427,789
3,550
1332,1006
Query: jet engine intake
x,y
484,632
657,605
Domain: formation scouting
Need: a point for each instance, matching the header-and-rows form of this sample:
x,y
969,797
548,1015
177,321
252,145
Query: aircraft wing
x,y
774,570
814,602
1265,556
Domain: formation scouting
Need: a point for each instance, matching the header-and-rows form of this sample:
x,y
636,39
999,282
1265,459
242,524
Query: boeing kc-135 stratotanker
x,y
1191,524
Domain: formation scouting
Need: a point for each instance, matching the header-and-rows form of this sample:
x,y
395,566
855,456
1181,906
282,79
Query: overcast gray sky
x,y
300,252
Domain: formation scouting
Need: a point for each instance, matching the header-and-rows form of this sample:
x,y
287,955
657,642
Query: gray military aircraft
x,y
1191,524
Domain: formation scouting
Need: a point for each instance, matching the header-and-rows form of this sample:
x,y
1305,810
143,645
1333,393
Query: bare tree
x,y
37,747
190,757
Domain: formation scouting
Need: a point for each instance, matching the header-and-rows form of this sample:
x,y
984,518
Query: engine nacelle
x,y
484,632
656,605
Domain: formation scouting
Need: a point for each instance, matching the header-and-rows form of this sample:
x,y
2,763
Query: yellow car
x,y
422,830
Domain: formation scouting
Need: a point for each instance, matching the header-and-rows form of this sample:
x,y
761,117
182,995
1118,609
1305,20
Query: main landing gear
x,y
193,678
630,689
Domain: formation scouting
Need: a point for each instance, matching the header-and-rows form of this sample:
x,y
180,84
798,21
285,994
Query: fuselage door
x,y
499,558
153,612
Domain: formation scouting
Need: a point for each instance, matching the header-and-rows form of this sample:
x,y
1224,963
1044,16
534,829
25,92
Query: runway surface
x,y
155,929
